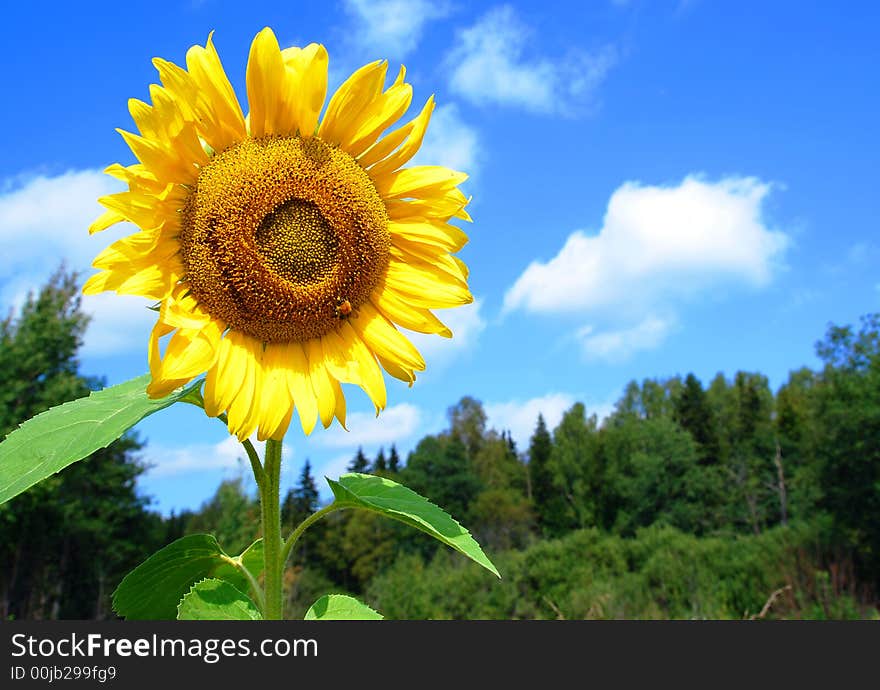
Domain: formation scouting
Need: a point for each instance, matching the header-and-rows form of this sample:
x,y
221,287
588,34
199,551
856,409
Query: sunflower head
x,y
285,247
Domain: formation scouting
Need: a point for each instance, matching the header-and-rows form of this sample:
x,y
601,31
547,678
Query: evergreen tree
x,y
300,502
381,464
66,542
393,461
546,497
693,414
359,463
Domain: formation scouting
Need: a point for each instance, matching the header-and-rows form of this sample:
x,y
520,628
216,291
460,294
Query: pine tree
x,y
693,414
66,542
545,496
381,464
302,499
393,460
359,463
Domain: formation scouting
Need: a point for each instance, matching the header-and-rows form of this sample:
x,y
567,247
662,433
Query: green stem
x,y
270,505
303,526
249,576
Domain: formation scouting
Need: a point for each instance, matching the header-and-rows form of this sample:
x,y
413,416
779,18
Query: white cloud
x,y
658,246
393,424
225,455
488,65
333,468
658,243
120,323
466,324
392,28
520,416
44,221
619,345
450,141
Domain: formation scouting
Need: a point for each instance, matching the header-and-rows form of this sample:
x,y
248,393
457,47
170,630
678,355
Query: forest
x,y
692,500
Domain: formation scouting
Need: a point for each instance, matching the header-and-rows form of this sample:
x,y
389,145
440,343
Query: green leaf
x,y
216,600
153,590
62,435
251,558
393,500
339,607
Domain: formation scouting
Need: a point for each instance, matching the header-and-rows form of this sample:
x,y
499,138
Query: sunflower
x,y
284,249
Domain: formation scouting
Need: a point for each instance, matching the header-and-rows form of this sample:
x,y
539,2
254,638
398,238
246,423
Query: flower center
x,y
278,233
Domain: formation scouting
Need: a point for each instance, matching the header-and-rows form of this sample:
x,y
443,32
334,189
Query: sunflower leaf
x,y
339,607
62,435
395,501
153,590
216,600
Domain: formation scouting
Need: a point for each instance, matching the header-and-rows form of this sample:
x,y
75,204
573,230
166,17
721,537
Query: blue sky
x,y
658,187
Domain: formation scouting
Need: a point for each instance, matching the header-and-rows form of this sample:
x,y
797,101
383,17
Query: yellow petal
x,y
307,80
409,148
382,338
225,123
165,161
220,385
274,396
418,182
397,371
377,116
426,287
267,87
143,278
245,370
159,387
139,179
147,247
434,233
105,220
451,204
407,315
349,361
349,101
384,146
144,210
181,310
322,383
299,383
191,352
428,258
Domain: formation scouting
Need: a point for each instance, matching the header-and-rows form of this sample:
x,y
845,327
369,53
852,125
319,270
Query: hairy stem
x,y
270,507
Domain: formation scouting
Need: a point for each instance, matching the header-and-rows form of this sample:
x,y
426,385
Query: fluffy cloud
x,y
619,345
449,141
392,28
658,246
466,324
120,323
394,424
226,455
44,221
658,242
488,65
520,416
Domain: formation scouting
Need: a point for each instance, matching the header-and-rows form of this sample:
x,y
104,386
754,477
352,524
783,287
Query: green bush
x,y
659,573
